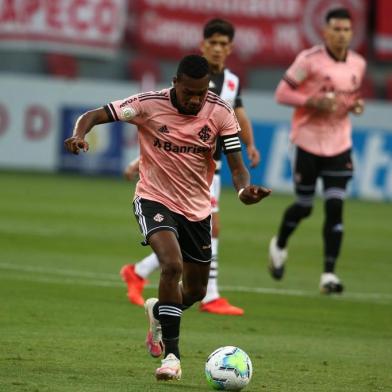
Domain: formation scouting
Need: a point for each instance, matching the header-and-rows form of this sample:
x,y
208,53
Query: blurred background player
x,y
323,85
216,46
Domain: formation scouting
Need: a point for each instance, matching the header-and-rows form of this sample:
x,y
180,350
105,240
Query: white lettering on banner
x,y
187,35
276,176
375,159
287,36
82,23
250,8
37,122
249,41
160,32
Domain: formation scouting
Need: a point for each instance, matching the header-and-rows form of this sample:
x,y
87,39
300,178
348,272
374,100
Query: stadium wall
x,y
36,114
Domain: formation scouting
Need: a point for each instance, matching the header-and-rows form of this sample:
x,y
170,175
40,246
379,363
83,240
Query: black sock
x,y
292,216
170,319
329,264
332,233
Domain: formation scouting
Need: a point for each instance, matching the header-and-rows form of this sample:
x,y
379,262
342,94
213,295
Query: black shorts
x,y
194,237
335,171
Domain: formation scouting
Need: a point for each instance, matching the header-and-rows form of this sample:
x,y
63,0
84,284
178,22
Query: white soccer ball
x,y
229,369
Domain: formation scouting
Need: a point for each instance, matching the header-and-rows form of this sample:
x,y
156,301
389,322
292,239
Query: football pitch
x,y
66,324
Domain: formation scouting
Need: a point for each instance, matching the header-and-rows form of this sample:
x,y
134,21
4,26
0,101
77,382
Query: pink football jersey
x,y
314,73
176,165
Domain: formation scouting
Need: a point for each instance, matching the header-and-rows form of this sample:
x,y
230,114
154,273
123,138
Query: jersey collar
x,y
330,54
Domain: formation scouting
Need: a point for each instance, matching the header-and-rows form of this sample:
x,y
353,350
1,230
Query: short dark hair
x,y
218,26
337,13
194,66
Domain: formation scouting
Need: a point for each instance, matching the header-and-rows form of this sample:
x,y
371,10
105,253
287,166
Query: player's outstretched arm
x,y
248,194
83,125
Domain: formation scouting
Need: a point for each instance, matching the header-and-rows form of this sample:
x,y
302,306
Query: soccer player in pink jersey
x,y
323,85
178,128
217,44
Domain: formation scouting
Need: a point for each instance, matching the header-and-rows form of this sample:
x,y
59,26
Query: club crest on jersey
x,y
231,85
204,133
158,217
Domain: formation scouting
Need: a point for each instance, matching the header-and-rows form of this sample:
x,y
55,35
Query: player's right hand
x,y
253,194
74,144
327,103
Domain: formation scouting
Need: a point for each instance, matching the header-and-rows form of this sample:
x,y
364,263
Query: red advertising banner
x,y
267,31
87,27
383,34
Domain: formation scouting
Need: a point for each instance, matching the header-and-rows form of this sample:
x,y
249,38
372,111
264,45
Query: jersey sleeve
x,y
128,110
298,71
287,92
238,98
229,132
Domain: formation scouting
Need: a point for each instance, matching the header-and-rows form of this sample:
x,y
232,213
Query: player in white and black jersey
x,y
216,46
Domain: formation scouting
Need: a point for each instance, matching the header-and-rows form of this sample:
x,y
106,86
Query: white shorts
x,y
215,189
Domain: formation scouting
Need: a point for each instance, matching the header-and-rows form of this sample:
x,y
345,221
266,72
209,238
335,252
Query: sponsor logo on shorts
x,y
158,217
206,246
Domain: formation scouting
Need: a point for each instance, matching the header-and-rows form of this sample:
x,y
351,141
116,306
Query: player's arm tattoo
x,y
239,172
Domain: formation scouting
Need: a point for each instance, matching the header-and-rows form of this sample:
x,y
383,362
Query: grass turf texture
x,y
66,324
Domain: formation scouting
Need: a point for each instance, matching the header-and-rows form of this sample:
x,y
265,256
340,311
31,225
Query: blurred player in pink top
x,y
323,85
178,128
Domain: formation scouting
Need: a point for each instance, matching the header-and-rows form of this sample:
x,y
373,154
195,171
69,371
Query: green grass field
x,y
66,325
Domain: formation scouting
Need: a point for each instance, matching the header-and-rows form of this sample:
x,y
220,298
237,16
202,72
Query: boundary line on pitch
x,y
101,279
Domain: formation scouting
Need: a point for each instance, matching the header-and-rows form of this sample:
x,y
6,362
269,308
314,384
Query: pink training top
x,y
176,165
314,73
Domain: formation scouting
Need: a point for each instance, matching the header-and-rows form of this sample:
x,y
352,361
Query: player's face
x,y
191,93
216,49
338,33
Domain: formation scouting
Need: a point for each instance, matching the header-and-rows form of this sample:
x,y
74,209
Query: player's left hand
x,y
253,194
253,155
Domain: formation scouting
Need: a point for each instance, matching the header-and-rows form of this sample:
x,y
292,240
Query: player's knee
x,y
171,269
